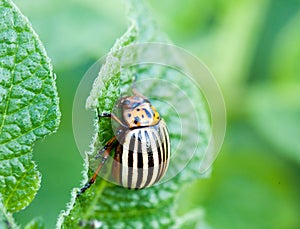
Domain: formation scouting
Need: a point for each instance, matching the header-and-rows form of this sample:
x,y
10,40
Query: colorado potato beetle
x,y
141,145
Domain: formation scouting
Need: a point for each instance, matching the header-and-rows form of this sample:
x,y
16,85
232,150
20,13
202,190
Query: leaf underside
x,y
108,206
28,106
6,219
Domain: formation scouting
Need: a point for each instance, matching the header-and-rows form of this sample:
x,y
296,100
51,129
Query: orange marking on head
x,y
138,112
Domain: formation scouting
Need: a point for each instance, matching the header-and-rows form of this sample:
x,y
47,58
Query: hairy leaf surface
x,y
106,205
28,106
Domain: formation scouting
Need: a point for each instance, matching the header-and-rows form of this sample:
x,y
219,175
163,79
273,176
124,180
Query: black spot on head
x,y
138,109
142,116
136,119
129,115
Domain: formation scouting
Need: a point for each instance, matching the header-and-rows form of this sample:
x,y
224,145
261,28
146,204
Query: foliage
x,y
29,106
253,50
6,219
112,206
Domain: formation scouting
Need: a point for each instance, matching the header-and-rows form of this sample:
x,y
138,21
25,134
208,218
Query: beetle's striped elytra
x,y
141,145
143,157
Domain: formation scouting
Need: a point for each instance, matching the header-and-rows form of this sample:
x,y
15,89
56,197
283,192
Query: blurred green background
x,y
253,49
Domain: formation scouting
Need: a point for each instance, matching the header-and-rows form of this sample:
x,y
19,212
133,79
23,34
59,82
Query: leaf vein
x,y
17,184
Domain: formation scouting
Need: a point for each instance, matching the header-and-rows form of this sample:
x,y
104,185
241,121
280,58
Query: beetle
x,y
141,145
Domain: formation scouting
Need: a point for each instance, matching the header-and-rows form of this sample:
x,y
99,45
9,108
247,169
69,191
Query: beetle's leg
x,y
103,115
112,116
109,143
106,147
103,160
109,115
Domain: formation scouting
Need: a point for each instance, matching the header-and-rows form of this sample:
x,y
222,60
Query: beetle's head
x,y
138,111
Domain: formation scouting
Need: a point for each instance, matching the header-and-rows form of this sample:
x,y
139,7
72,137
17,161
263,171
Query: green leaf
x,y
28,106
280,105
6,219
108,206
284,65
36,223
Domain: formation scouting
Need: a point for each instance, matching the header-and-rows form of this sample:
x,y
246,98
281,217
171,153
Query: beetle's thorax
x,y
138,112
